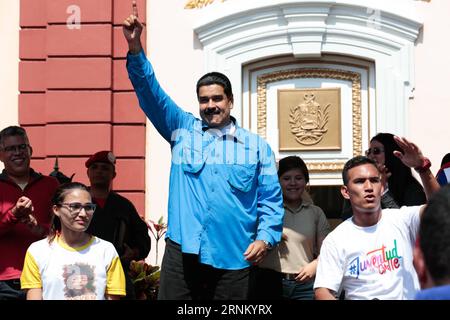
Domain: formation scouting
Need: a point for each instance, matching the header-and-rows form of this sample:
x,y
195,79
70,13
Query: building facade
x,y
347,69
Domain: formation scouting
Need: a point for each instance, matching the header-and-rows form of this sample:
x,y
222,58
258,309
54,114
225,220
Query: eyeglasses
x,y
375,151
205,99
17,147
75,207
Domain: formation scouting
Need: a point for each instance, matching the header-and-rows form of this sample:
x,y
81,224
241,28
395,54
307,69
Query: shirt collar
x,y
33,175
231,130
305,203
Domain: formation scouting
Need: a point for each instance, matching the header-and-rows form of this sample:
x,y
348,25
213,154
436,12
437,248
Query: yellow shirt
x,y
65,273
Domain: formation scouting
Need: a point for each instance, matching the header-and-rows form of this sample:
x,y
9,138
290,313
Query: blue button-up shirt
x,y
224,191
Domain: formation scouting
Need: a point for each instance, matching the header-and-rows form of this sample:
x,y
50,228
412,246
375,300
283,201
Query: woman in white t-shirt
x,y
71,264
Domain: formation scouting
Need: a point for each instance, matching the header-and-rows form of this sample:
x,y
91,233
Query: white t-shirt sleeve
x,y
411,218
414,218
330,268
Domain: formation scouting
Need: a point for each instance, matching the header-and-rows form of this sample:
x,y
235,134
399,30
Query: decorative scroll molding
x,y
233,36
355,79
198,4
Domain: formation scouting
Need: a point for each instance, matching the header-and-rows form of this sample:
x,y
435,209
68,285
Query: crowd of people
x,y
239,226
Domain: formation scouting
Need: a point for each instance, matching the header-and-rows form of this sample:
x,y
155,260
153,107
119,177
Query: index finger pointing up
x,y
135,10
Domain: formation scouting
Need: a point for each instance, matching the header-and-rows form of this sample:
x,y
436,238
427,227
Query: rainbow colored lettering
x,y
380,260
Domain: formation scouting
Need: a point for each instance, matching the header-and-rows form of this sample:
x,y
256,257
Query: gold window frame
x,y
302,73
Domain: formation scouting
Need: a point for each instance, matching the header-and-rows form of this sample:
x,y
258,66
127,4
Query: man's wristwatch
x,y
268,245
426,164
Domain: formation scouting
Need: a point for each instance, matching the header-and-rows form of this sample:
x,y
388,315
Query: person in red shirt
x,y
25,202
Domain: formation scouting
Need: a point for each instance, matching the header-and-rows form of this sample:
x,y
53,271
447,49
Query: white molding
x,y
237,32
365,69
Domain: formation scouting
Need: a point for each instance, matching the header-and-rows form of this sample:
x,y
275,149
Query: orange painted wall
x,y
75,96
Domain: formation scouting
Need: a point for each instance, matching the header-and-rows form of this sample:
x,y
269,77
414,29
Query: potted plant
x,y
145,276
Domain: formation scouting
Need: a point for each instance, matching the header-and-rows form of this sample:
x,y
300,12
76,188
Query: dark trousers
x,y
183,277
129,286
266,284
10,290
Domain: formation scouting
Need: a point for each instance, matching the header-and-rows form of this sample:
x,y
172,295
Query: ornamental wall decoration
x,y
198,4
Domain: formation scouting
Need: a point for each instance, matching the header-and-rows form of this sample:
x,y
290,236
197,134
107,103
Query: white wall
x,y
430,107
178,65
9,63
179,61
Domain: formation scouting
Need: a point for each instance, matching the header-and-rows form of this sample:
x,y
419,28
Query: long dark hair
x,y
401,175
58,198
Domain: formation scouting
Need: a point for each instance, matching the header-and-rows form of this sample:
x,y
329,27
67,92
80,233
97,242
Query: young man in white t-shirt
x,y
370,256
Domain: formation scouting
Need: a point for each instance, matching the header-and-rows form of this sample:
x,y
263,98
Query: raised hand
x,y
132,30
411,156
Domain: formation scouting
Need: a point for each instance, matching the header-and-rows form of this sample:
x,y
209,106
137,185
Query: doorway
x,y
330,200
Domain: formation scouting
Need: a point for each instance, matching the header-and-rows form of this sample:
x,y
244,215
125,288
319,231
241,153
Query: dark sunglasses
x,y
375,151
205,99
17,148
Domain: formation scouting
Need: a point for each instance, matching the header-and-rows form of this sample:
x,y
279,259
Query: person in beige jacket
x,y
288,270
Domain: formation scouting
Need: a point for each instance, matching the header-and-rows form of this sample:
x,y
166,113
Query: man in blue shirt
x,y
225,202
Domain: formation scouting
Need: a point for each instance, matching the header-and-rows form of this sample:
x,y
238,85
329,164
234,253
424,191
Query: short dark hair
x,y
216,78
12,131
292,162
355,162
434,236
